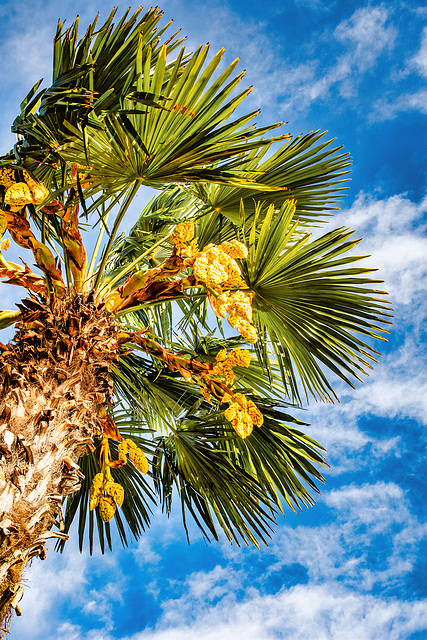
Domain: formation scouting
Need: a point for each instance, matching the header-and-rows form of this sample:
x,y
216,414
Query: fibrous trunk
x,y
53,393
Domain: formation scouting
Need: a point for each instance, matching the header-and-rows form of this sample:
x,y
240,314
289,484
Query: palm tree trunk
x,y
41,446
54,386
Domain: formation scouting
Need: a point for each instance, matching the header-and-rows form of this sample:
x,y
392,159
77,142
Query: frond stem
x,y
96,249
133,264
114,230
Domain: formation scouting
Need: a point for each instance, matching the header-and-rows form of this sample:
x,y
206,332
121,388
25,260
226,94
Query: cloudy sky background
x,y
355,565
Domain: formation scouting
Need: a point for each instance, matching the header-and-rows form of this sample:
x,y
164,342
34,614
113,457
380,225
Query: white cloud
x,y
340,550
394,233
225,603
368,35
44,583
326,612
419,61
384,109
396,389
365,35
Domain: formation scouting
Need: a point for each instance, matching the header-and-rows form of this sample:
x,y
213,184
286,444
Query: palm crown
x,y
212,318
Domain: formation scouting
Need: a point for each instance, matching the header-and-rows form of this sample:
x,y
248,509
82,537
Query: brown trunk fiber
x,y
54,383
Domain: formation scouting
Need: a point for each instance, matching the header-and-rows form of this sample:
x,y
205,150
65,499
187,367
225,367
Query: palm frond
x,y
307,169
223,480
311,304
186,141
97,72
210,487
280,457
134,515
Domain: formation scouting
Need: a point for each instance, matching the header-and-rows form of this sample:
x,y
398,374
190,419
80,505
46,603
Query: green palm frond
x,y
134,515
223,480
156,393
306,168
311,303
186,141
210,487
97,72
148,243
280,457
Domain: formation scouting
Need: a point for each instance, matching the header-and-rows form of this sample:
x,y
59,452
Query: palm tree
x,y
162,367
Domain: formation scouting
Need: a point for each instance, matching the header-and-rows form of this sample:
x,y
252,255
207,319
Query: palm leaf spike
x,y
8,318
24,277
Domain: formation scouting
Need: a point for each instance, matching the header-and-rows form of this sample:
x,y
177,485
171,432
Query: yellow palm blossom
x,y
96,491
116,491
235,249
244,328
137,456
18,195
183,232
123,449
107,508
255,414
242,413
181,236
7,177
239,357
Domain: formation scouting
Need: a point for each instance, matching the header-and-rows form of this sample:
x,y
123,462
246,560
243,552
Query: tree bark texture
x,y
53,394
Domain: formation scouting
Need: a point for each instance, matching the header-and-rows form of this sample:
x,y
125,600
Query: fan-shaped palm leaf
x,y
138,494
183,142
97,72
311,303
307,169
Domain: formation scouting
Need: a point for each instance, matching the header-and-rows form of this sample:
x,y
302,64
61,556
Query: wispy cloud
x,y
394,232
332,604
389,109
367,34
419,61
352,48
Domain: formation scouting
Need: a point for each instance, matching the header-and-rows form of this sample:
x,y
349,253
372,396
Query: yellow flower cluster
x,y
18,194
136,455
107,508
181,236
244,327
242,413
116,491
183,232
235,249
217,268
96,490
225,363
238,305
7,178
104,492
101,484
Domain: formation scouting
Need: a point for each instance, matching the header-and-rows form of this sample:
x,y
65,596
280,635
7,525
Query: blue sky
x,y
355,565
